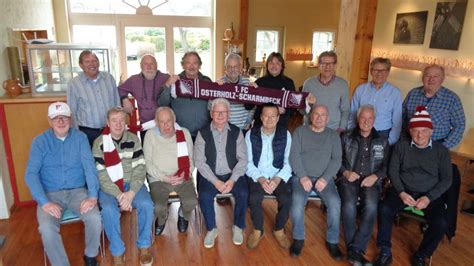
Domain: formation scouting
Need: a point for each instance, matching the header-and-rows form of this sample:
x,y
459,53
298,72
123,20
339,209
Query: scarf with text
x,y
183,153
112,161
194,88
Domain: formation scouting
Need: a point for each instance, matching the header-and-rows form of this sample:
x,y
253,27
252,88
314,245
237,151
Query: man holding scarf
x,y
119,161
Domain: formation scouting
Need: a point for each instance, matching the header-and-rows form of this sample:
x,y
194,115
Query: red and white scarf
x,y
112,161
183,153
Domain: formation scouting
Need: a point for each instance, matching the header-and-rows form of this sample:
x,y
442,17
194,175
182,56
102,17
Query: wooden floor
x,y
23,245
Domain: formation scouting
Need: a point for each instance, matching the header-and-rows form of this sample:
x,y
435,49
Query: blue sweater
x,y
56,165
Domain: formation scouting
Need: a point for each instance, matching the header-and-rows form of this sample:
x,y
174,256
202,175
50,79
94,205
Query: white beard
x,y
149,76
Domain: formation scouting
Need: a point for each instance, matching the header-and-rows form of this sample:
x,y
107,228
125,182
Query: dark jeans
x,y
207,193
91,133
384,133
358,239
435,214
256,195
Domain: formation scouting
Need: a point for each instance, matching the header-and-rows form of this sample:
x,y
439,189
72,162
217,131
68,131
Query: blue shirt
x,y
90,100
387,102
56,165
265,164
447,114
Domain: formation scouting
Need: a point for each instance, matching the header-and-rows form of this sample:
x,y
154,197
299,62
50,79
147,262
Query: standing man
x,y
241,115
61,175
90,95
276,79
268,171
191,113
145,88
315,158
364,166
119,160
330,91
420,171
386,99
170,165
443,104
221,160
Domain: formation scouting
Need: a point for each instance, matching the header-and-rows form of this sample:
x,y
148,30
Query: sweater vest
x,y
230,149
278,145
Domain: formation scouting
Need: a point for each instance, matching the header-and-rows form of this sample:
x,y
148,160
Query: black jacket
x,y
379,152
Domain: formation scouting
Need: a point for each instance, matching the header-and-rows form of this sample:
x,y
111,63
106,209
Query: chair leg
x,y
44,257
431,260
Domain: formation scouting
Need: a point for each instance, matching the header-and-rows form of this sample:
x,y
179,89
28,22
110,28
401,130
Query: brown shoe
x,y
282,239
254,239
118,261
146,259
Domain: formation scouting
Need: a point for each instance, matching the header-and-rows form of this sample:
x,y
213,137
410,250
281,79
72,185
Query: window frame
x,y
281,33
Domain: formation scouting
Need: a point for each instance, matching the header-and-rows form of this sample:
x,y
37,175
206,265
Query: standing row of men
x,y
262,166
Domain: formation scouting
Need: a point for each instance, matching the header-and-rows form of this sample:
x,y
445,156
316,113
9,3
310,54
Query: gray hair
x,y
115,110
433,66
165,108
319,106
381,60
220,101
152,56
233,56
366,107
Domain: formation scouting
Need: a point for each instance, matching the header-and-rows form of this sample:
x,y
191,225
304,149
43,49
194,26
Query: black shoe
x,y
88,261
296,247
159,228
223,200
357,258
417,261
334,251
182,224
383,260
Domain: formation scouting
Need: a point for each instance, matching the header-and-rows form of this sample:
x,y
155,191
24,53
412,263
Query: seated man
x,y
420,171
169,161
364,165
221,160
268,171
315,157
61,175
119,159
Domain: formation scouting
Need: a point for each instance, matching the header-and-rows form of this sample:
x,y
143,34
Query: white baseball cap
x,y
58,108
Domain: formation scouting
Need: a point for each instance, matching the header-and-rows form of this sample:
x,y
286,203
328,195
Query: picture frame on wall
x,y
447,25
410,28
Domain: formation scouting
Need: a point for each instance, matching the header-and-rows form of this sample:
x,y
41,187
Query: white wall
x,y
408,79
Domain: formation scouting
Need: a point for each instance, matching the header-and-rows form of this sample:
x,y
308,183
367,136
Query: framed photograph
x,y
410,28
447,25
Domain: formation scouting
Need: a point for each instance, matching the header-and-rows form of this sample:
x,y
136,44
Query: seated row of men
x,y
268,160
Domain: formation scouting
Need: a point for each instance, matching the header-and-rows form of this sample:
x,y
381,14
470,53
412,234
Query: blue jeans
x,y
358,239
207,193
111,218
49,225
330,197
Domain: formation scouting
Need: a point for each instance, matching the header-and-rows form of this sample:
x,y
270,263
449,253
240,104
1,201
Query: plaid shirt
x,y
446,112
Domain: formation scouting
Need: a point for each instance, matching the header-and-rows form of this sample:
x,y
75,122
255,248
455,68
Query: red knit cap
x,y
421,118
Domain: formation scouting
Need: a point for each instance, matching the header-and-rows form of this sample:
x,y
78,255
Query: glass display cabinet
x,y
52,66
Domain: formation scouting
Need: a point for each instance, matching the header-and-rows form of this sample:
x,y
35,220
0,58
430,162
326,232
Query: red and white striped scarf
x,y
112,161
183,153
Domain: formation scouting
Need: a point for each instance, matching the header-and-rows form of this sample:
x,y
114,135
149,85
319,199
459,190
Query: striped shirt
x,y
90,100
446,112
239,116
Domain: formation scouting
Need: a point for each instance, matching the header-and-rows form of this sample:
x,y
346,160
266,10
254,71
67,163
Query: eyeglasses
x,y
379,71
61,119
220,112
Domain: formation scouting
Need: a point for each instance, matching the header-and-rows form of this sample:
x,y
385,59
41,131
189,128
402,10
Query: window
x,y
322,41
193,39
144,40
267,41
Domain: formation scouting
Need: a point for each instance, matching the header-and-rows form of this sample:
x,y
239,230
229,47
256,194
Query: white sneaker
x,y
237,235
210,238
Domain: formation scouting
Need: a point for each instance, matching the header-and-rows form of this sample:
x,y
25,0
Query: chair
x,y
69,218
197,211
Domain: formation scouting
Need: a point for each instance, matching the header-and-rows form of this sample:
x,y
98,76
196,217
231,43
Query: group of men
x,y
341,154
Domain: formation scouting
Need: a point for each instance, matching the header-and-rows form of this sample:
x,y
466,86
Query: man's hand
x,y
281,110
220,81
229,184
253,84
127,105
407,199
87,205
220,186
171,80
422,203
52,209
176,179
369,181
306,183
311,99
350,176
320,184
265,183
